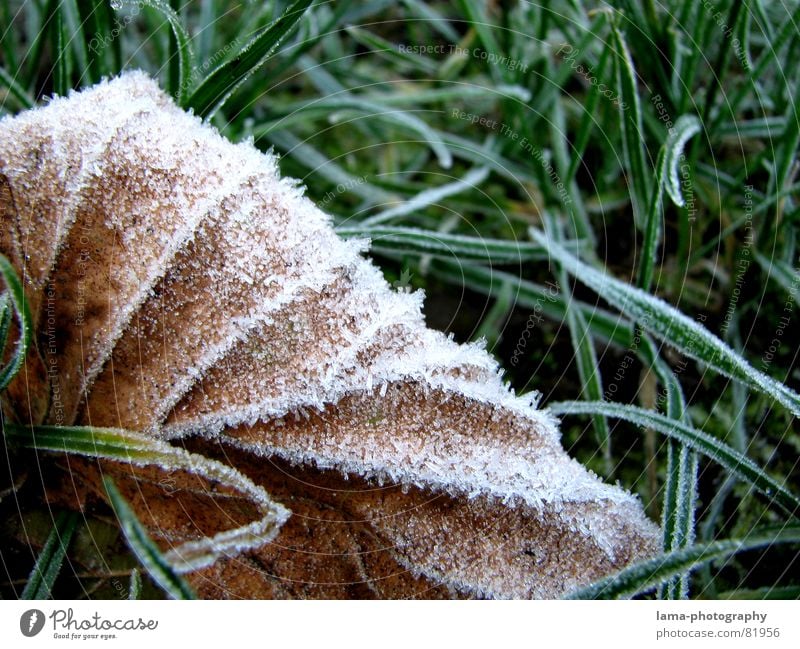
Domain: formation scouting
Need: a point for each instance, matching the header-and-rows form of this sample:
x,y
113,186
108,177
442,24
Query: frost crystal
x,y
193,293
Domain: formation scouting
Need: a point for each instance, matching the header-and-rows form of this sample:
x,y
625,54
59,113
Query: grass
x,y
641,156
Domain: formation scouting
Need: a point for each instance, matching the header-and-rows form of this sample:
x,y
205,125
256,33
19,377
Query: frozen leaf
x,y
182,289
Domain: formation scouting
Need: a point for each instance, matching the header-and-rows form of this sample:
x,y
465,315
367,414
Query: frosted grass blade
x,y
649,574
670,325
703,443
143,547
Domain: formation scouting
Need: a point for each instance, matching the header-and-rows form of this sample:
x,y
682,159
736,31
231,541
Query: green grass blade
x,y
787,277
179,87
390,51
529,295
61,83
649,574
97,20
670,325
685,127
588,120
630,113
135,589
324,107
703,443
444,244
6,315
218,86
320,165
15,89
429,197
17,297
144,548
141,450
51,558
680,490
652,226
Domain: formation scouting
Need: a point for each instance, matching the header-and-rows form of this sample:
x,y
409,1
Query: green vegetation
x,y
641,157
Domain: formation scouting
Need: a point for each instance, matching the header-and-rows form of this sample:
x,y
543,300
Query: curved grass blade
x,y
17,297
649,574
183,46
50,559
126,446
218,86
431,196
143,547
685,127
703,443
670,325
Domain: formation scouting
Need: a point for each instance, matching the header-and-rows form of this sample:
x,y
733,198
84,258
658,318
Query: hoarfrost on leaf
x,y
225,314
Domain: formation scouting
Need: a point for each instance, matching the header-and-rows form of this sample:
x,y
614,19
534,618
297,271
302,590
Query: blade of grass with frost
x,y
429,197
768,592
135,587
51,558
670,325
17,299
183,45
325,106
681,485
680,490
604,325
649,574
144,548
5,320
126,446
782,273
768,128
703,443
685,127
219,85
630,114
486,154
309,157
406,239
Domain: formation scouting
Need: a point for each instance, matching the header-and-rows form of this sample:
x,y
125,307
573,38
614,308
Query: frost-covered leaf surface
x,y
181,288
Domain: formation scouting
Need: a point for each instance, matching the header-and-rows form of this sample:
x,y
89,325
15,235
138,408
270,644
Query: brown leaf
x,y
183,289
